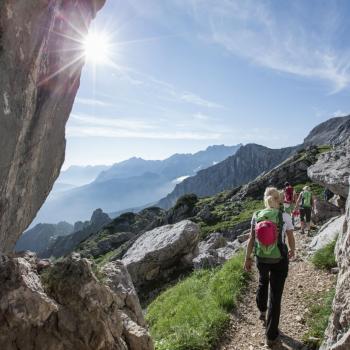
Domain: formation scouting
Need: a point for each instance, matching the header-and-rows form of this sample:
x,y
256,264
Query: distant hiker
x,y
289,198
306,203
269,229
327,194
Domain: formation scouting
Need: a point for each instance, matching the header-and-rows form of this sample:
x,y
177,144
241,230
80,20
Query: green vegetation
x,y
187,199
316,189
193,313
324,149
317,317
324,258
229,214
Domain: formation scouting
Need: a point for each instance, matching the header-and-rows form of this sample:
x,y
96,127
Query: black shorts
x,y
305,213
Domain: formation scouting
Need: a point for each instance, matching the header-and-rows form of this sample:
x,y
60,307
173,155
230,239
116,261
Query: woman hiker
x,y
269,229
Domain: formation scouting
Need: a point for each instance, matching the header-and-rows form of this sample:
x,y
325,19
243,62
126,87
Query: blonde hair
x,y
272,198
306,188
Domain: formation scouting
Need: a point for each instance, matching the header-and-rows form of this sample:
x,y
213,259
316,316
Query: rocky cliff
x,y
40,65
332,170
248,162
338,331
66,307
332,131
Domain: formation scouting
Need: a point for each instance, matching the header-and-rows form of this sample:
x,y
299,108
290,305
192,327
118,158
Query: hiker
x,y
305,202
269,230
289,198
327,194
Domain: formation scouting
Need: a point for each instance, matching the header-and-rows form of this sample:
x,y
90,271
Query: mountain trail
x,y
246,332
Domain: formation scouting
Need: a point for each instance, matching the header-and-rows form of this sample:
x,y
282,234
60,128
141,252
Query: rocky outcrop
x,y
294,169
323,211
338,331
161,254
40,65
214,251
64,245
248,162
332,170
332,131
68,308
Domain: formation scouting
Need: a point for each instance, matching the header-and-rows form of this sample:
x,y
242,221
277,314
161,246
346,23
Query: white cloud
x,y
91,126
199,101
92,102
159,89
285,41
340,113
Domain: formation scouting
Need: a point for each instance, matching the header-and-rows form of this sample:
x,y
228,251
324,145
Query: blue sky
x,y
185,74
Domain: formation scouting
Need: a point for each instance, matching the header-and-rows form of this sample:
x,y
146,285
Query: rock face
x,y
68,308
332,170
39,77
338,331
332,131
160,254
248,162
324,211
294,169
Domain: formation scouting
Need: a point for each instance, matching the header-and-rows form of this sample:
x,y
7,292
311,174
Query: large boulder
x,y
332,170
323,211
327,233
159,255
338,331
40,66
67,307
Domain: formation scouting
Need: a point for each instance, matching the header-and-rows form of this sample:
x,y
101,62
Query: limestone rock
x,y
68,308
215,251
327,233
323,211
161,253
332,170
39,77
332,131
338,333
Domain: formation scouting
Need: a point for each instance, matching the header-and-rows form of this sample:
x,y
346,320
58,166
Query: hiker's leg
x,y
302,219
308,219
277,278
263,289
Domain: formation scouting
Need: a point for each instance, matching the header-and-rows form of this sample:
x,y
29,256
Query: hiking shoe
x,y
262,318
272,343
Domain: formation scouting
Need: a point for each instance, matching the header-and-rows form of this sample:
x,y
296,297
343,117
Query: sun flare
x,y
97,47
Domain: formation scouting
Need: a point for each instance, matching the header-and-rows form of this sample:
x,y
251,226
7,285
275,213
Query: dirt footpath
x,y
246,332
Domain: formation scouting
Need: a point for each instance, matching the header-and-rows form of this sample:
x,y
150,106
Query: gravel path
x,y
246,332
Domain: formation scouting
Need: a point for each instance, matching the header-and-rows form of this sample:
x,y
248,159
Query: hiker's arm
x,y
248,257
291,243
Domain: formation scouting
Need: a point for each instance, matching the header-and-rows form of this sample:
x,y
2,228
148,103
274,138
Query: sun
x,y
96,46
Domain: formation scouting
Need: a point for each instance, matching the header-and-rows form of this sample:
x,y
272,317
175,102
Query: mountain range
x,y
251,160
132,183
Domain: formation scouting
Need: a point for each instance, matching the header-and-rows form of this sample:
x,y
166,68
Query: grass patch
x,y
316,189
317,317
324,149
324,258
193,314
231,214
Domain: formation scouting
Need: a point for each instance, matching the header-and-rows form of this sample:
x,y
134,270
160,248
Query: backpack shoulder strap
x,y
280,225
